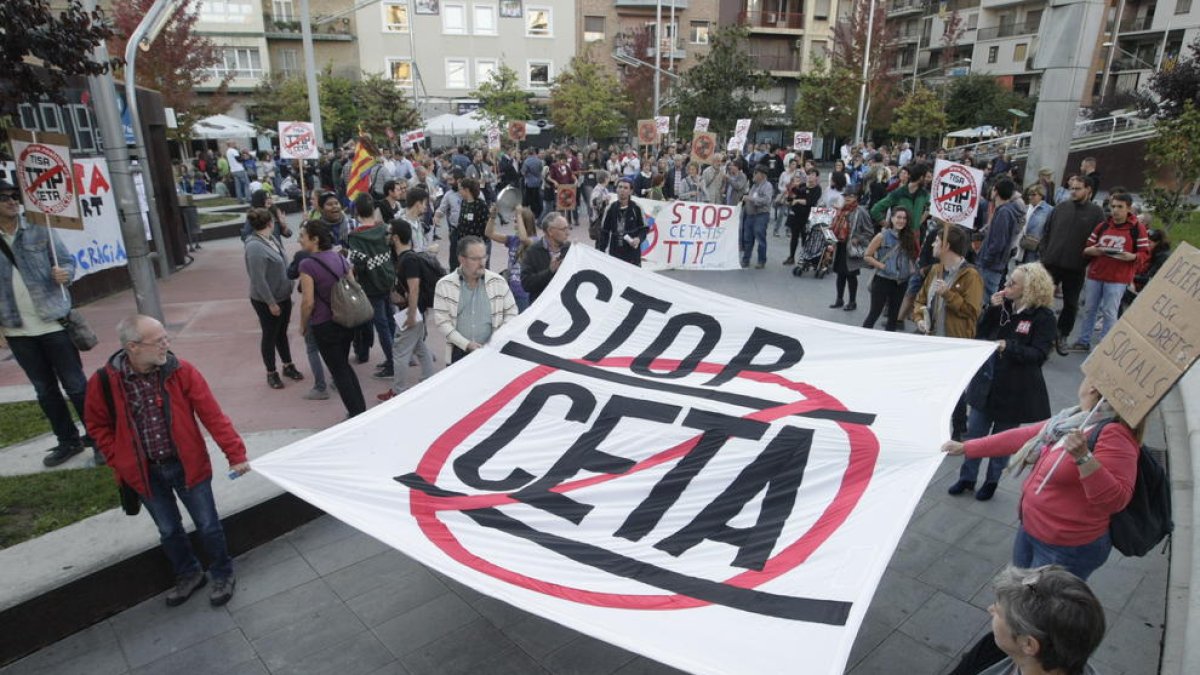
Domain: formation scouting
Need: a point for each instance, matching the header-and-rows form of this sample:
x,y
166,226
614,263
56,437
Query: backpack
x,y
1146,520
431,272
347,300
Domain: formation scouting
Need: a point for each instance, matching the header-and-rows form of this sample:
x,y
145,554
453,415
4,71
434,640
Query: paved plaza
x,y
326,598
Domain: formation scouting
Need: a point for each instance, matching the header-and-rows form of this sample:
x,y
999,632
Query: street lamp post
x,y
860,122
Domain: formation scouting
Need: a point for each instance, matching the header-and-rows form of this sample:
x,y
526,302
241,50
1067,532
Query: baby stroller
x,y
818,249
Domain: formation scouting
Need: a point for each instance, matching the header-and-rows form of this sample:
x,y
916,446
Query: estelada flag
x,y
360,168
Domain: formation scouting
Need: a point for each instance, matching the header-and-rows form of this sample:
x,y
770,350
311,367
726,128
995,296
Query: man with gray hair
x,y
142,409
472,302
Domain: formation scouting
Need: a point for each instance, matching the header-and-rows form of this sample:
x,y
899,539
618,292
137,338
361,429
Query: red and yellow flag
x,y
359,181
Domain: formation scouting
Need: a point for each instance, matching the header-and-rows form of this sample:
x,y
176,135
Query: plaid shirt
x,y
148,409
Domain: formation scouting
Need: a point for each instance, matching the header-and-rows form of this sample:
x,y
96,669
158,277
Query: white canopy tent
x,y
459,126
985,131
218,127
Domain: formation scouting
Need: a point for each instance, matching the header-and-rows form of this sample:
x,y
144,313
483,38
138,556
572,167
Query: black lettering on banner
x,y
640,304
584,455
527,353
466,467
718,429
579,315
711,335
791,351
779,468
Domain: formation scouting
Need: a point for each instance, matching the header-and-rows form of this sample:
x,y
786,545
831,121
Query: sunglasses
x,y
7,197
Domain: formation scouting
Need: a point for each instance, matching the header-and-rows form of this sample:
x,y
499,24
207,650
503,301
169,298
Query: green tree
x,y
722,84
501,97
279,99
59,39
920,116
339,109
586,100
1177,82
380,104
821,101
976,99
1173,158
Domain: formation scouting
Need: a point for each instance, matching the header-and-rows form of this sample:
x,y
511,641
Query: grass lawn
x,y
34,504
215,201
20,421
1188,231
214,218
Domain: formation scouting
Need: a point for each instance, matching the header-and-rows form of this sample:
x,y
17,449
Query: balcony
x,y
638,43
760,21
1005,30
1135,24
779,65
997,4
909,37
904,7
651,4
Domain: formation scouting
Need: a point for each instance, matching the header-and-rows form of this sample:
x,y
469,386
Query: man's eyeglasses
x,y
480,258
160,342
7,197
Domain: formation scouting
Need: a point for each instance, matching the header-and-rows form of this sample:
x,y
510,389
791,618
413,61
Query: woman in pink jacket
x,y
1067,522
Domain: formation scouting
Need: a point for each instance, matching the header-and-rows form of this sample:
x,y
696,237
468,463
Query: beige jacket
x,y
445,305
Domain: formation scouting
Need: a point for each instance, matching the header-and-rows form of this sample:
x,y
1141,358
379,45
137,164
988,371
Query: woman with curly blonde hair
x,y
1020,320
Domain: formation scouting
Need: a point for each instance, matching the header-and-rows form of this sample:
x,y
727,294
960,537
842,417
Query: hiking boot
x,y
850,307
960,487
222,591
1060,346
837,304
985,493
184,587
273,380
315,394
290,372
384,373
62,453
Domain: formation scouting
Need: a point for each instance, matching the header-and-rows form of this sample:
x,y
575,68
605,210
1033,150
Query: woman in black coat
x,y
624,227
1020,319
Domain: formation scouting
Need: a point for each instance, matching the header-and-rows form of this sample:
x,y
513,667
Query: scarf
x,y
1066,421
841,223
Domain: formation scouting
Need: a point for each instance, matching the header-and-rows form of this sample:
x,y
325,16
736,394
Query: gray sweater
x,y
267,268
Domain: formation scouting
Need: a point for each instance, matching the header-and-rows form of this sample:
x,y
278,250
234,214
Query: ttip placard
x,y
710,483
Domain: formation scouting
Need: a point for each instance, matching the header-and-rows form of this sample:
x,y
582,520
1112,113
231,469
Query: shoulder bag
x,y
347,300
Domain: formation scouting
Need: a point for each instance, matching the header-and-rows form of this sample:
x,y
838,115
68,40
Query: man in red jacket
x,y
141,409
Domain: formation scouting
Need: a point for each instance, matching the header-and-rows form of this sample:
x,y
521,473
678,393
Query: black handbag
x,y
131,503
981,384
81,334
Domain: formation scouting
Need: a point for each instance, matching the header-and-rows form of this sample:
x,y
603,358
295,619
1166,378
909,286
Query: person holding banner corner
x,y
623,228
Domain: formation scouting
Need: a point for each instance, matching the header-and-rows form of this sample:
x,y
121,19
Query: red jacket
x,y
187,396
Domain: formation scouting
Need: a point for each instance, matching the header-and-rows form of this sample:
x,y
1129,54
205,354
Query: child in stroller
x,y
817,253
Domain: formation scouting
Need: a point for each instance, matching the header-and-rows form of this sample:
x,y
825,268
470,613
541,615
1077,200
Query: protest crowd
x,y
368,271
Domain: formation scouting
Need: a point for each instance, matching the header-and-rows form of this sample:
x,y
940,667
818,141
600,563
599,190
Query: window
x,y
539,74
400,70
993,53
972,21
819,50
240,62
283,10
485,19
483,70
454,19
593,28
456,74
821,10
289,62
395,16
1019,52
698,35
1183,6
538,22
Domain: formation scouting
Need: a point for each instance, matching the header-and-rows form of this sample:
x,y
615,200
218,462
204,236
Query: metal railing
x,y
896,7
1087,134
1006,30
763,19
1137,23
785,62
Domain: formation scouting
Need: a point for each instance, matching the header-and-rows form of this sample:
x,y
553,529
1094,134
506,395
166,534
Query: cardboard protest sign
x,y
713,484
43,169
690,235
493,137
516,131
740,131
565,198
956,191
802,140
663,124
412,137
701,124
1155,342
647,132
298,140
704,146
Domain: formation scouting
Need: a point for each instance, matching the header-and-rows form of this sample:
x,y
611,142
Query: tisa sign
x,y
710,483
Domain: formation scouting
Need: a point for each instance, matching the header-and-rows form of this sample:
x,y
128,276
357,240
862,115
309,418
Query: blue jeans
x,y
1079,560
1103,298
241,185
167,481
755,230
978,426
779,216
385,324
314,360
48,360
991,283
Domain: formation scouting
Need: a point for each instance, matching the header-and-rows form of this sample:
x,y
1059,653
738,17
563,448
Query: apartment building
x,y
786,38
441,50
333,33
237,27
1000,38
622,33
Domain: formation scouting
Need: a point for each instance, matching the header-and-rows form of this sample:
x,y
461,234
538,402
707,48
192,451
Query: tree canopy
x,y
976,99
821,105
722,83
60,38
1173,166
920,115
1177,83
373,104
846,54
586,100
501,97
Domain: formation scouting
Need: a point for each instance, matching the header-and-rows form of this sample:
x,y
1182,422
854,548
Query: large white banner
x,y
710,483
99,244
690,235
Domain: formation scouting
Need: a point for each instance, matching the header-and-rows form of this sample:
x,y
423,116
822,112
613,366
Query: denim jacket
x,y
31,248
